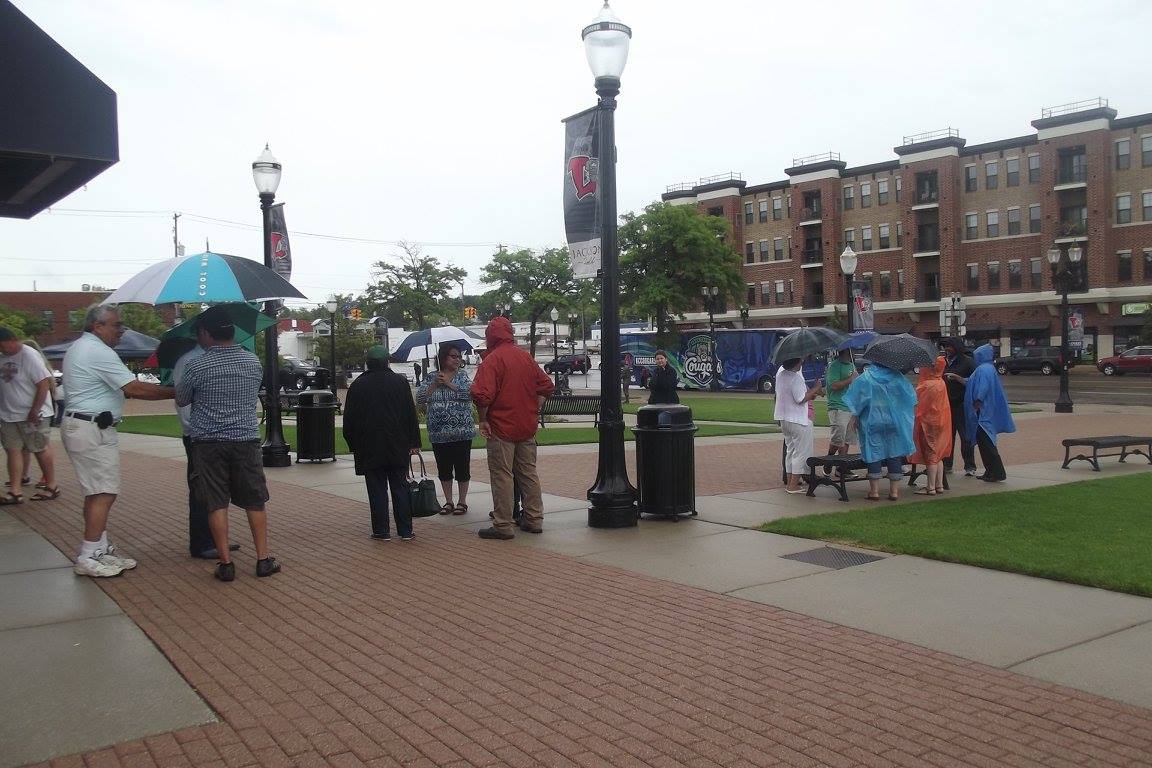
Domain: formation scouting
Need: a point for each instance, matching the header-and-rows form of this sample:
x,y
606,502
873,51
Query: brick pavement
x,y
456,652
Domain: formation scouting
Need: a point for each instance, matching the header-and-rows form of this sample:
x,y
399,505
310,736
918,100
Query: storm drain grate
x,y
830,557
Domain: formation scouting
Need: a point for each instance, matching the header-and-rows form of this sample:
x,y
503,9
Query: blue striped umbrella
x,y
211,278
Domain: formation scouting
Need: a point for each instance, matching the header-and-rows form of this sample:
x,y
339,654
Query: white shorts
x,y
95,455
842,433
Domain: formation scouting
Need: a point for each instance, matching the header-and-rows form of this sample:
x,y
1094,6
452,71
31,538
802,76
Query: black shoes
x,y
495,533
267,566
524,526
989,479
226,571
382,536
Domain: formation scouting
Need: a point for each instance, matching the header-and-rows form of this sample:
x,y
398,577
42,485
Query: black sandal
x,y
46,494
11,499
446,509
461,509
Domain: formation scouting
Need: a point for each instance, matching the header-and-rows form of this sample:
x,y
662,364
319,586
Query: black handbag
x,y
421,492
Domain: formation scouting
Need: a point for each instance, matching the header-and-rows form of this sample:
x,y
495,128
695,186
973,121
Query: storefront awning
x,y
1030,325
982,328
59,128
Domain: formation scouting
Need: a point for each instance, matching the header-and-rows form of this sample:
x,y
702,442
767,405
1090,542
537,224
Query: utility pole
x,y
176,235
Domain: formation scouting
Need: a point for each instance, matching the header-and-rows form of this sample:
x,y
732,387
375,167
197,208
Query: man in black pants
x,y
959,368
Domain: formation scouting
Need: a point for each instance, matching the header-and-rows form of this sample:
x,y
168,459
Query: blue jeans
x,y
895,465
379,483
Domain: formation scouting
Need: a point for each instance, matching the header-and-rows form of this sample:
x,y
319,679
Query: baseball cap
x,y
6,334
377,352
215,319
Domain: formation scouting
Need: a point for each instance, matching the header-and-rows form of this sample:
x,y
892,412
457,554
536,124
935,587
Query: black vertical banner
x,y
581,184
281,250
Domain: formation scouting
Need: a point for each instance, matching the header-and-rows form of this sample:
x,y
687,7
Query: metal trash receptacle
x,y
316,425
665,460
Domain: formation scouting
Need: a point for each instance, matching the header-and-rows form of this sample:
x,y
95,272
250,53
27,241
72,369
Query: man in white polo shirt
x,y
96,382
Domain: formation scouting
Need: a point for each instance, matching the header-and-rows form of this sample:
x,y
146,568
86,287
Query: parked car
x,y
1134,360
296,374
1046,360
569,364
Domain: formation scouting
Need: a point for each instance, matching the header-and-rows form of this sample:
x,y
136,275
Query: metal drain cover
x,y
830,557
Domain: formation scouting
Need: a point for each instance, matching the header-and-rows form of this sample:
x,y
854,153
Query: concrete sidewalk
x,y
690,642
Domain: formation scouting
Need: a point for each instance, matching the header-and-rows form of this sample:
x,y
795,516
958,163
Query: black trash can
x,y
316,425
665,460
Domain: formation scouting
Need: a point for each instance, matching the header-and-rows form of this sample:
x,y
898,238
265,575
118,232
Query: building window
x,y
1147,264
1123,209
751,301
991,175
716,211
1146,202
849,198
763,250
1013,221
1033,169
779,291
993,275
899,188
1124,266
899,283
777,209
49,318
1012,168
882,192
748,217
866,238
973,277
763,211
867,277
992,222
778,248
850,238
1037,273
1146,151
971,225
749,253
1014,276
885,284
1123,154
885,238
969,178
788,205
765,293
1034,221
866,194
899,234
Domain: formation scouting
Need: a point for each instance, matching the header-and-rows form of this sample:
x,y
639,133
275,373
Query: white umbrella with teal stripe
x,y
210,278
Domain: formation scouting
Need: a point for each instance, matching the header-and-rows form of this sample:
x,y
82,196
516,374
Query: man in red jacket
x,y
508,391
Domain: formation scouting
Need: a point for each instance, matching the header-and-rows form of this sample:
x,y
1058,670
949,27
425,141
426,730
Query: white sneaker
x,y
90,566
109,557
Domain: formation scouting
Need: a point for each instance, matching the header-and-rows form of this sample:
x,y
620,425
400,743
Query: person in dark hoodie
x,y
508,391
959,367
381,429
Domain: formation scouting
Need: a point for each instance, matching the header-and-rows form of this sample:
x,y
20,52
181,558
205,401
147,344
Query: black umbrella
x,y
807,341
902,352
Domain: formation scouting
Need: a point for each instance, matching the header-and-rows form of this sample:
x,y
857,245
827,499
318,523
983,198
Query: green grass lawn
x,y
169,426
1096,532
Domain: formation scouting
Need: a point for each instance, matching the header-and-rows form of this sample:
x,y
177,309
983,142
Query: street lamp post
x,y
1062,277
266,175
332,305
710,292
612,497
848,261
555,315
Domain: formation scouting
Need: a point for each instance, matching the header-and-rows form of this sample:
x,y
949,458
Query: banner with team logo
x,y
281,250
581,203
863,318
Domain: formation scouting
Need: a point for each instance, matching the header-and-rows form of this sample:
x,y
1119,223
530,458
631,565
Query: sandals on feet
x,y
446,509
870,497
923,492
461,509
46,494
25,481
893,498
11,499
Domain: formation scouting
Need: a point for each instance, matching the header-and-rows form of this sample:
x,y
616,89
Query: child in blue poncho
x,y
986,413
884,405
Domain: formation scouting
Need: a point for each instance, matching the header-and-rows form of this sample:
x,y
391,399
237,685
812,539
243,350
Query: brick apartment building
x,y
946,217
54,308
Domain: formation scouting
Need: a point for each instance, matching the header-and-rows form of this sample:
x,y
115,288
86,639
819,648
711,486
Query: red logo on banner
x,y
581,179
279,246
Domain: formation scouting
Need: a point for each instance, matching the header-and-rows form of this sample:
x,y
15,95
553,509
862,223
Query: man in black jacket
x,y
381,429
959,368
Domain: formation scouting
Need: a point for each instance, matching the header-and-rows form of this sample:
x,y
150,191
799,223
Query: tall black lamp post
x,y
612,497
555,315
332,305
1063,273
266,174
848,261
710,292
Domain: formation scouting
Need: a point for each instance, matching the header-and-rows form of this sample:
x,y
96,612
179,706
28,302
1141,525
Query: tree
x,y
411,289
668,253
351,343
139,317
533,283
20,323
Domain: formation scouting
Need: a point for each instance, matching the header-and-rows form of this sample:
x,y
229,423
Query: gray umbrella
x,y
806,341
902,352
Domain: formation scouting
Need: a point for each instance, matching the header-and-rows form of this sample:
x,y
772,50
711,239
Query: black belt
x,y
84,416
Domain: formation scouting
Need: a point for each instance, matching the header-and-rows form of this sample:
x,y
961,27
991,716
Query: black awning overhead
x,y
59,126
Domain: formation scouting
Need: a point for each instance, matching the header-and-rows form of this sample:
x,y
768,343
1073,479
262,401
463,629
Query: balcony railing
x,y
823,157
812,301
813,255
1072,175
1075,106
730,176
928,293
681,187
1071,229
809,214
926,243
927,196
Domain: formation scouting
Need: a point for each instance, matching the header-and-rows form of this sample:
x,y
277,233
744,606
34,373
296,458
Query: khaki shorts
x,y
24,436
95,455
842,431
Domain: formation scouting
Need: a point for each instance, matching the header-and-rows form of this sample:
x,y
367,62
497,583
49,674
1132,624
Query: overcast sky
x,y
439,122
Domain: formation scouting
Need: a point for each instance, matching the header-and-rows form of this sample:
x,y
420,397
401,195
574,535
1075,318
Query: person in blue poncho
x,y
884,406
986,413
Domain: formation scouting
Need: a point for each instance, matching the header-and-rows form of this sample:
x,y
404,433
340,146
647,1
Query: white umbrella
x,y
415,345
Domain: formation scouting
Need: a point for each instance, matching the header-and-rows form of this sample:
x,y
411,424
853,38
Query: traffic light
x,y
470,313
356,313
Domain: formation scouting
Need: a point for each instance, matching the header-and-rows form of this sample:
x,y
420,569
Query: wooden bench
x,y
1104,442
571,405
840,465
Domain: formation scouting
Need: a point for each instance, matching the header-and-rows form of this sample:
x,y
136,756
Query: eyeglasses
x,y
453,354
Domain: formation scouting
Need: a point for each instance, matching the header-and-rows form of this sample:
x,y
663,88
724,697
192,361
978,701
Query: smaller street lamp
x,y
848,260
332,305
1063,267
555,315
710,292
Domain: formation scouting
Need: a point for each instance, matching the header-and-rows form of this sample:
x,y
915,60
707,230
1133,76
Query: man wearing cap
x,y
25,415
222,386
97,382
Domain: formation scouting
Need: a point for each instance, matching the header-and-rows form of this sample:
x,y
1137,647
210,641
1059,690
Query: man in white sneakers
x,y
97,382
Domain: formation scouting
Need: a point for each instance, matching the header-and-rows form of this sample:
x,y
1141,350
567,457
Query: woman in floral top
x,y
446,396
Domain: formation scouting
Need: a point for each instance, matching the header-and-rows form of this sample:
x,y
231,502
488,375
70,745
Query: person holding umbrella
x,y
793,398
883,403
986,413
447,399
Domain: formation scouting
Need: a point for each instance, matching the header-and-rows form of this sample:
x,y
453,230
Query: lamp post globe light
x,y
1062,276
848,262
612,498
710,292
331,305
266,175
555,315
